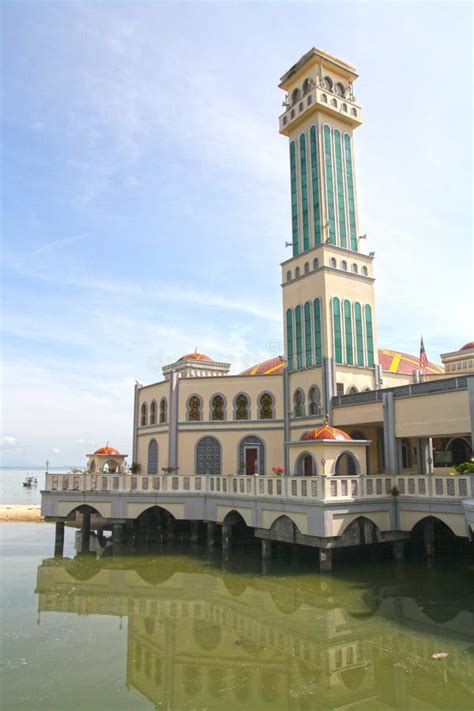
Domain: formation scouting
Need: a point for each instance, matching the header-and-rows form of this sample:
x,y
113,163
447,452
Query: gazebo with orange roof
x,y
106,460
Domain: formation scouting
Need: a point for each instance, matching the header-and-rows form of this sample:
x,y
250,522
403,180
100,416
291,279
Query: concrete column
x,y
226,536
117,535
135,422
470,390
325,560
59,540
389,440
194,531
424,455
398,551
329,384
170,529
286,415
86,532
266,549
429,539
173,421
211,534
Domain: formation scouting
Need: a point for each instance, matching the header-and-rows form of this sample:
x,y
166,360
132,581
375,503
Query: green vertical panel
x,y
304,192
315,183
350,192
317,332
294,198
299,338
290,350
329,184
336,315
359,336
307,335
348,333
341,210
370,336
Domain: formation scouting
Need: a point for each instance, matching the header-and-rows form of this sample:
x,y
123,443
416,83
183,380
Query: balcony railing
x,y
320,488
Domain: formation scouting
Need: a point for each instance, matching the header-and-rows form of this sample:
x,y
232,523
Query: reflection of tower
x,y
328,294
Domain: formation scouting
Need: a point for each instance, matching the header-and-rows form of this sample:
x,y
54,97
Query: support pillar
x,y
266,549
194,531
424,453
399,551
211,534
325,560
170,529
226,536
117,536
59,540
86,532
392,464
429,539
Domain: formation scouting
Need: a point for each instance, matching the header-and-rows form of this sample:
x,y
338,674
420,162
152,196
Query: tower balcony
x,y
320,99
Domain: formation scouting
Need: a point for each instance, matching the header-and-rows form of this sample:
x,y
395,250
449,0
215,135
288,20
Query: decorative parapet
x,y
402,391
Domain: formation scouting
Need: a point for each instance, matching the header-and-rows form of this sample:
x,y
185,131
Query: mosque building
x,y
311,410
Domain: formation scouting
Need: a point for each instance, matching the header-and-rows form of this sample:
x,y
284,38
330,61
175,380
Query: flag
x,y
423,358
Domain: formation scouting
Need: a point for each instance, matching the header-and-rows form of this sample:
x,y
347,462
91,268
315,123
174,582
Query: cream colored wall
x,y
330,452
355,415
393,380
229,387
355,376
155,391
229,440
145,434
433,415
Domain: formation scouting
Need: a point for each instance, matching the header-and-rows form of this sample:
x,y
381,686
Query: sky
x,y
145,201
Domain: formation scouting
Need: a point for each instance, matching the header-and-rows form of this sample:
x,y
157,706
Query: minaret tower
x,y
328,292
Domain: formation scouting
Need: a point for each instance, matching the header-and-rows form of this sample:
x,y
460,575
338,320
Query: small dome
x,y
326,432
272,366
107,450
467,346
197,356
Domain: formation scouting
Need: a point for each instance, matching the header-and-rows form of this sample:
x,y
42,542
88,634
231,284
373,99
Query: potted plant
x,y
135,467
278,471
170,470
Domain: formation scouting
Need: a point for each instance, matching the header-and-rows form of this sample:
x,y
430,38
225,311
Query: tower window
x,y
306,267
364,271
354,112
328,83
292,114
333,263
297,272
163,410
288,276
344,108
309,100
295,95
300,107
314,400
334,102
324,98
355,269
316,263
307,85
298,403
339,89
285,120
336,314
344,265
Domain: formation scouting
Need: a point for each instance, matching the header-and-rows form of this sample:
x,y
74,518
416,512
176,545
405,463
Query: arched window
x,y
336,315
324,98
364,271
194,409
297,272
288,275
306,267
300,107
350,192
292,114
348,332
294,197
329,184
318,351
341,212
344,265
163,410
339,89
354,112
359,334
265,407
352,391
369,336
305,465
295,95
308,341
328,83
152,467
304,191
285,120
299,338
298,403
309,101
153,412
289,339
314,400
217,408
307,85
344,108
333,263
334,102
313,138
316,263
355,269
346,465
144,415
208,456
242,407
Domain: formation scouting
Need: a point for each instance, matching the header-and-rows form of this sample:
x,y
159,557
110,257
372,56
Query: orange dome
x,y
467,346
267,367
326,432
107,450
197,356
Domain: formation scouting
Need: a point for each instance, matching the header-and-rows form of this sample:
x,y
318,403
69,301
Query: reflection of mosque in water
x,y
212,639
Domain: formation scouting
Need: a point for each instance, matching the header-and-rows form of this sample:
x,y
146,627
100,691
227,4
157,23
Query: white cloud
x,y
8,442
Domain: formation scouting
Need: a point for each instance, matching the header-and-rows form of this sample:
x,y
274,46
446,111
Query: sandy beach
x,y
20,512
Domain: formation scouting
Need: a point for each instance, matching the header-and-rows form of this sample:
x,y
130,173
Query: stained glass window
x,y
340,190
208,456
317,331
329,184
163,410
348,332
266,407
194,408
336,314
370,336
217,408
294,198
304,191
313,136
359,334
242,407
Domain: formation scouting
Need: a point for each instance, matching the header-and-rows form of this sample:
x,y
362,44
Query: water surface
x,y
179,630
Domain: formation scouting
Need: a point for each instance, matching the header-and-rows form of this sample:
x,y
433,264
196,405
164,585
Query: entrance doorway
x,y
251,457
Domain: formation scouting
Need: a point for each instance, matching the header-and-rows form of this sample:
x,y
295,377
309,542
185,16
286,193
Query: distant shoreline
x,y
30,513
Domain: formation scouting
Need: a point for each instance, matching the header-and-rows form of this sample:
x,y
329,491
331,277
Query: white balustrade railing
x,y
320,487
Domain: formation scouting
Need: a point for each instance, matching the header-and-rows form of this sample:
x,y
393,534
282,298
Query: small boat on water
x,y
30,481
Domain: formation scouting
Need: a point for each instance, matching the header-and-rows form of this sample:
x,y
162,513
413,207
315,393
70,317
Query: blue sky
x,y
146,193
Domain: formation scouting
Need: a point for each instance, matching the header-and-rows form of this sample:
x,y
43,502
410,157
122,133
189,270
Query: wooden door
x,y
251,454
308,465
